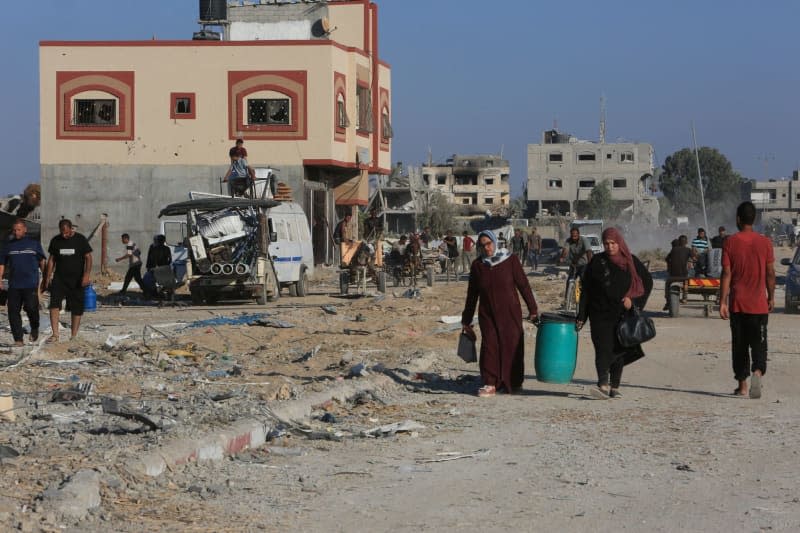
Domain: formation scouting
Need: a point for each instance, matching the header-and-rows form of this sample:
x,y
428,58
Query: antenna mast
x,y
602,119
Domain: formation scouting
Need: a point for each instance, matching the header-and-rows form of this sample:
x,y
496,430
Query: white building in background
x,y
563,170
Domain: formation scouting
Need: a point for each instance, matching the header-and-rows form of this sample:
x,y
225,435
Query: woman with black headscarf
x,y
494,278
614,281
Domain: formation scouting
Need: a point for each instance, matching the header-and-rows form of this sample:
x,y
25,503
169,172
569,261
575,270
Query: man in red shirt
x,y
467,252
747,296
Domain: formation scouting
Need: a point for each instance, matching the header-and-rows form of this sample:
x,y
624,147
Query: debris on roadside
x,y
407,426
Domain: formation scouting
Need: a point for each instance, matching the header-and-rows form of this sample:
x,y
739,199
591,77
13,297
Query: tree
x,y
600,204
435,211
518,207
721,184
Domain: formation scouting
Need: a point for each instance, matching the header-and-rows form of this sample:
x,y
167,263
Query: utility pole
x,y
699,178
766,158
602,119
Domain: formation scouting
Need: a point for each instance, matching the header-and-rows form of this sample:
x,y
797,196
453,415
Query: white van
x,y
290,244
290,247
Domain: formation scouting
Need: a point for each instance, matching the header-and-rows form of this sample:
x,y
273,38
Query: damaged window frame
x,y
363,109
86,112
264,118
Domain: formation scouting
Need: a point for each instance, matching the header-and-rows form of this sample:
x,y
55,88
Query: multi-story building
x,y
130,126
476,183
562,171
776,194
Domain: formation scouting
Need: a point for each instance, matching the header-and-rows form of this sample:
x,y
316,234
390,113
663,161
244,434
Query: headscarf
x,y
624,260
500,254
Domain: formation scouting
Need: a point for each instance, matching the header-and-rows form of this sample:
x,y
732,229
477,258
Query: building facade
x,y
476,183
776,195
130,126
562,171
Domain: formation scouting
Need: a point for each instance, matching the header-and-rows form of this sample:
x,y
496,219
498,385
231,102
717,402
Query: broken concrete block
x,y
77,495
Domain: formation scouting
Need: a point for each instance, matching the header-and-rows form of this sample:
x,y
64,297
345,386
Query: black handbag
x,y
634,329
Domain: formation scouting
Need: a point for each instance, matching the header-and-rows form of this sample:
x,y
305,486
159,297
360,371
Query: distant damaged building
x,y
476,183
563,171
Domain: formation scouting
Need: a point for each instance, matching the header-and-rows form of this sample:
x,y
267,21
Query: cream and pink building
x,y
130,126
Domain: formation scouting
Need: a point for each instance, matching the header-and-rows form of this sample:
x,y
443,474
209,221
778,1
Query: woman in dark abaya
x,y
494,278
614,281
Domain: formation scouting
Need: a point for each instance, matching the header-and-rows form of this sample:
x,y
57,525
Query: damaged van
x,y
228,243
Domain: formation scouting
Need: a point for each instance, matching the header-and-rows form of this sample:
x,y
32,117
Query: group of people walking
x,y
63,272
614,282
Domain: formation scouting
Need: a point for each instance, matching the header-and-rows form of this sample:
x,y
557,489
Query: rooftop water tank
x,y
213,9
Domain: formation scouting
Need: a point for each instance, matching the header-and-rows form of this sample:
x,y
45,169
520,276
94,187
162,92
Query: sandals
x,y
51,340
487,391
599,394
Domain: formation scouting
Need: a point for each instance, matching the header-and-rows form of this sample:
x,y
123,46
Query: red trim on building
x,y
173,100
375,81
384,64
293,84
173,43
118,84
366,44
339,88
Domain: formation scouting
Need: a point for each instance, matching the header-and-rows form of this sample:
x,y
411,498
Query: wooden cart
x,y
698,293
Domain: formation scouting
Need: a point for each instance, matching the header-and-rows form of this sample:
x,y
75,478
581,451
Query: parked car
x,y
551,251
792,287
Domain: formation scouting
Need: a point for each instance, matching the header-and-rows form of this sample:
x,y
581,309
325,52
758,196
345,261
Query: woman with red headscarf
x,y
614,281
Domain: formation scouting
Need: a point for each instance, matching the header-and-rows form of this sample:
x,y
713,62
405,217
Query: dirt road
x,y
677,452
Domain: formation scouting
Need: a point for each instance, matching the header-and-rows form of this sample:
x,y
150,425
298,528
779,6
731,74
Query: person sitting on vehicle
x,y
678,260
239,175
700,247
373,226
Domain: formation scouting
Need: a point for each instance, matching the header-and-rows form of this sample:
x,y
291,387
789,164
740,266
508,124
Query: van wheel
x,y
276,294
302,284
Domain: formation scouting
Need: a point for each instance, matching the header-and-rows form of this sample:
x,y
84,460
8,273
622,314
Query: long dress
x,y
502,356
602,288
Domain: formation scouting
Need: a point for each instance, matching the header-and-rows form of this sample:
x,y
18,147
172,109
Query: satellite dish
x,y
326,25
322,28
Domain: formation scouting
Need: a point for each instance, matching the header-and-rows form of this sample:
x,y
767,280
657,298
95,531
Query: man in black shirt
x,y
66,274
678,267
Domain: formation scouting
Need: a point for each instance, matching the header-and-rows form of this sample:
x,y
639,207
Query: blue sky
x,y
475,76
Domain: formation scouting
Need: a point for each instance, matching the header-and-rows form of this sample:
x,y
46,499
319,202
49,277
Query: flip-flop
x,y
487,391
51,340
755,387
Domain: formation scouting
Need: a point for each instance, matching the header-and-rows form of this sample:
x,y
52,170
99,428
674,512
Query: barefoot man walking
x,y
747,296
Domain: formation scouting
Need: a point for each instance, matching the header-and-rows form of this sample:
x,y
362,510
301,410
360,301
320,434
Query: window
x,y
554,183
626,157
426,178
363,108
488,201
268,111
386,126
441,179
465,201
620,183
94,113
608,156
342,121
586,183
488,181
175,232
182,105
586,156
489,162
555,157
797,196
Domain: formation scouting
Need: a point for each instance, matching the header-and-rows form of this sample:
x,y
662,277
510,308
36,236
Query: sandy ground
x,y
677,453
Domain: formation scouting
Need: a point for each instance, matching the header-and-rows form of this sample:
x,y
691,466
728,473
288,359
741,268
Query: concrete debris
x,y
7,452
407,426
359,370
7,408
114,407
331,310
73,394
76,496
308,355
240,320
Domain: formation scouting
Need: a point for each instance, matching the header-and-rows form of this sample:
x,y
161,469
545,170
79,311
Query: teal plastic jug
x,y
89,298
556,348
